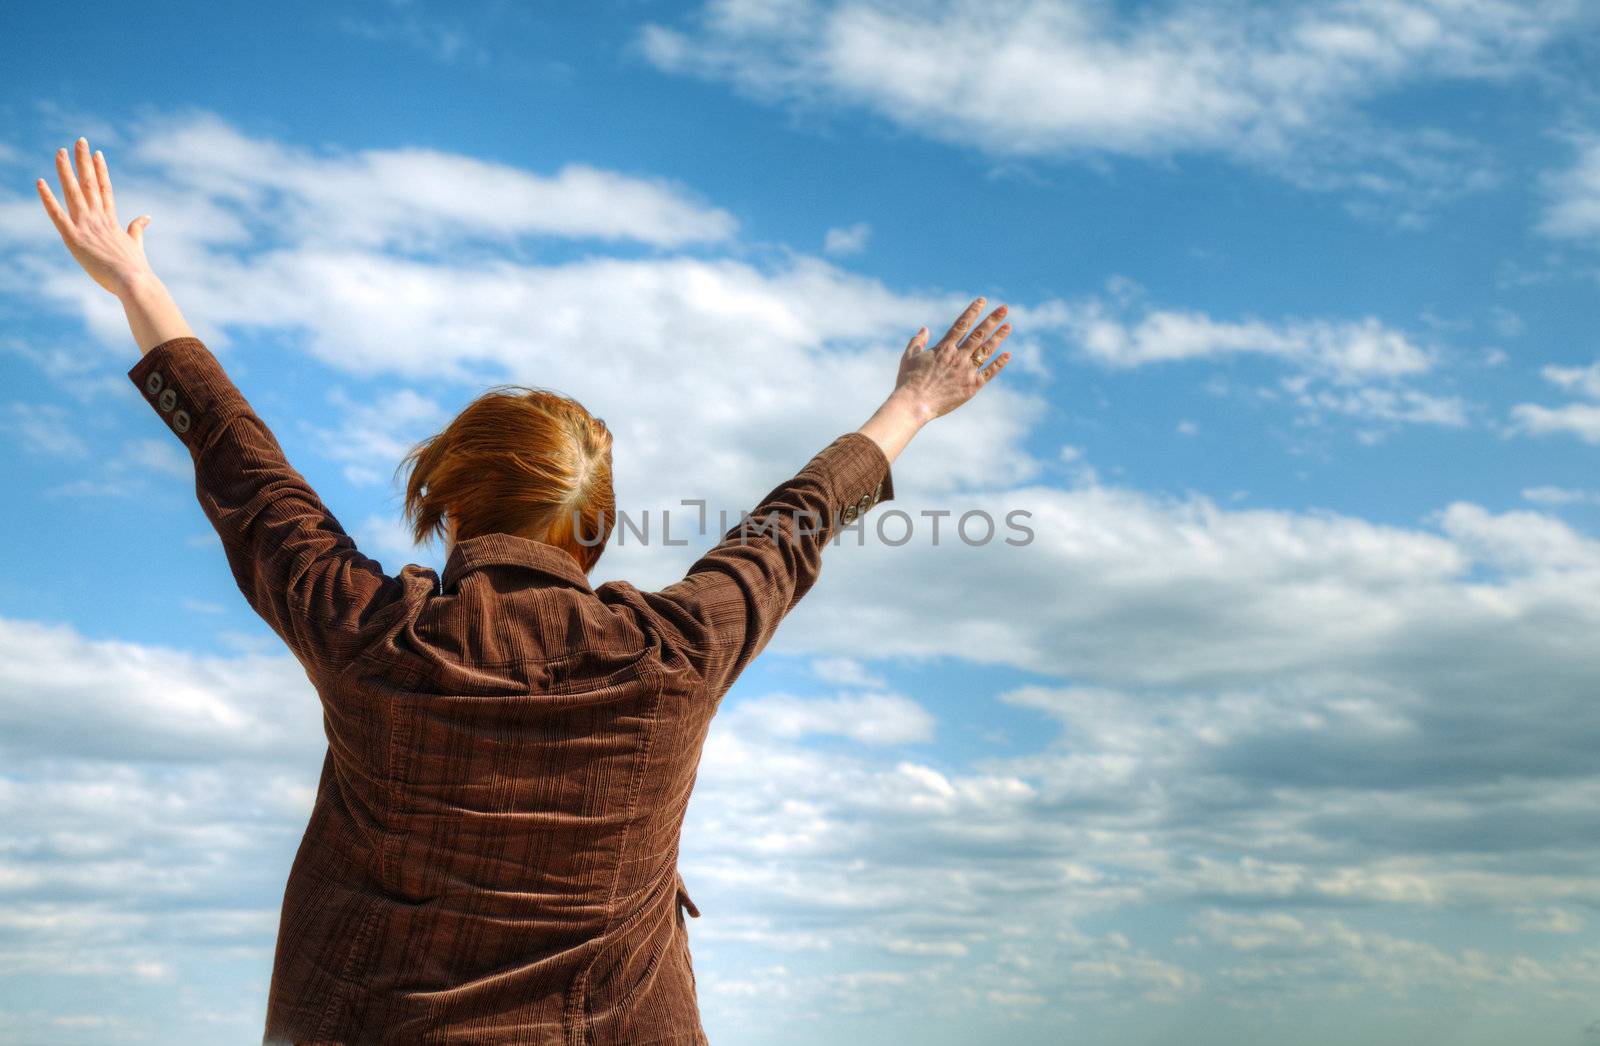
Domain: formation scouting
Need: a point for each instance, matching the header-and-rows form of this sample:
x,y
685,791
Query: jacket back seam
x,y
578,994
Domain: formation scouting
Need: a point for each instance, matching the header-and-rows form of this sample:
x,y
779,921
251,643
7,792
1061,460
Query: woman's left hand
x,y
112,256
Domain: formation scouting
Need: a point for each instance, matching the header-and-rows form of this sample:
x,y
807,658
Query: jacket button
x,y
180,421
850,513
865,503
153,383
168,398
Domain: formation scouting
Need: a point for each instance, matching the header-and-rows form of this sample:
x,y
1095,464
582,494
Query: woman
x,y
492,856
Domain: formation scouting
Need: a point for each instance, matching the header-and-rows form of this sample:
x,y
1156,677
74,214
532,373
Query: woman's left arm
x,y
292,560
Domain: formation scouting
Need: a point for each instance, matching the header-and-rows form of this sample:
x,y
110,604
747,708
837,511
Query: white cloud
x,y
379,426
1507,324
385,537
1550,920
1122,332
443,42
1286,954
848,240
847,671
1577,419
1262,84
1280,788
1560,496
128,472
1184,593
45,428
1354,368
873,719
1401,406
67,694
410,200
1573,211
152,800
161,456
1582,380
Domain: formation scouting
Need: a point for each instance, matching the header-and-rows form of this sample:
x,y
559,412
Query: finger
x,y
108,200
86,175
961,326
69,185
986,348
917,341
995,367
53,209
981,333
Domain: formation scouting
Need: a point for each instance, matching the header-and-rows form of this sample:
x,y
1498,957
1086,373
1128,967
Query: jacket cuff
x,y
855,472
188,388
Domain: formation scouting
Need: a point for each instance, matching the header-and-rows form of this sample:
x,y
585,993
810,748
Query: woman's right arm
x,y
723,613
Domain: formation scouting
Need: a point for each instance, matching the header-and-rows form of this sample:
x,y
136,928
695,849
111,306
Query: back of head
x,y
518,460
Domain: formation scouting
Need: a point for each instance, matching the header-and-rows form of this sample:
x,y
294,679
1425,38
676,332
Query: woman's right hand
x,y
933,382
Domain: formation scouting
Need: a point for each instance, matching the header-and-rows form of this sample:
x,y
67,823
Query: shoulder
x,y
651,616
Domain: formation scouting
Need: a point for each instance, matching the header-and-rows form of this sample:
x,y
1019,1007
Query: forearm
x,y
152,314
292,559
892,427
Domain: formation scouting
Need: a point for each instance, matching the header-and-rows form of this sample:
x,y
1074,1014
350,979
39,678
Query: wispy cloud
x,y
414,25
1373,403
847,240
1355,368
1575,419
126,472
847,671
44,428
872,718
378,427
1573,211
1282,86
407,199
1125,334
1582,380
1560,496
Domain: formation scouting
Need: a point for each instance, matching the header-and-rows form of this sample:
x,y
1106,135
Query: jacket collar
x,y
511,550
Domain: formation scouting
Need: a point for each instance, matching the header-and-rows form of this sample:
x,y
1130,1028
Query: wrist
x,y
136,283
910,407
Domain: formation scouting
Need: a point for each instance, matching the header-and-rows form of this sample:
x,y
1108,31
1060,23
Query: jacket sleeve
x,y
727,608
292,560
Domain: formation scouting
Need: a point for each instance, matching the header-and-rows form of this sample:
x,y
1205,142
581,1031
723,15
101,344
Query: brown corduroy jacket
x,y
492,855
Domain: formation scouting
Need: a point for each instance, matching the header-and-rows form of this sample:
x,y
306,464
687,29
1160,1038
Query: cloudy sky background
x,y
1284,727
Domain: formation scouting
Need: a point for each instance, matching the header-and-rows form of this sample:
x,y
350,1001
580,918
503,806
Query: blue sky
x,y
1282,728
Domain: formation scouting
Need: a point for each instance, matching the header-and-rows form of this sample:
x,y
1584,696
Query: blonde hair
x,y
516,460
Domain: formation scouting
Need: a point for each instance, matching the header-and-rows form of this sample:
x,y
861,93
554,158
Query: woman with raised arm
x,y
492,854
